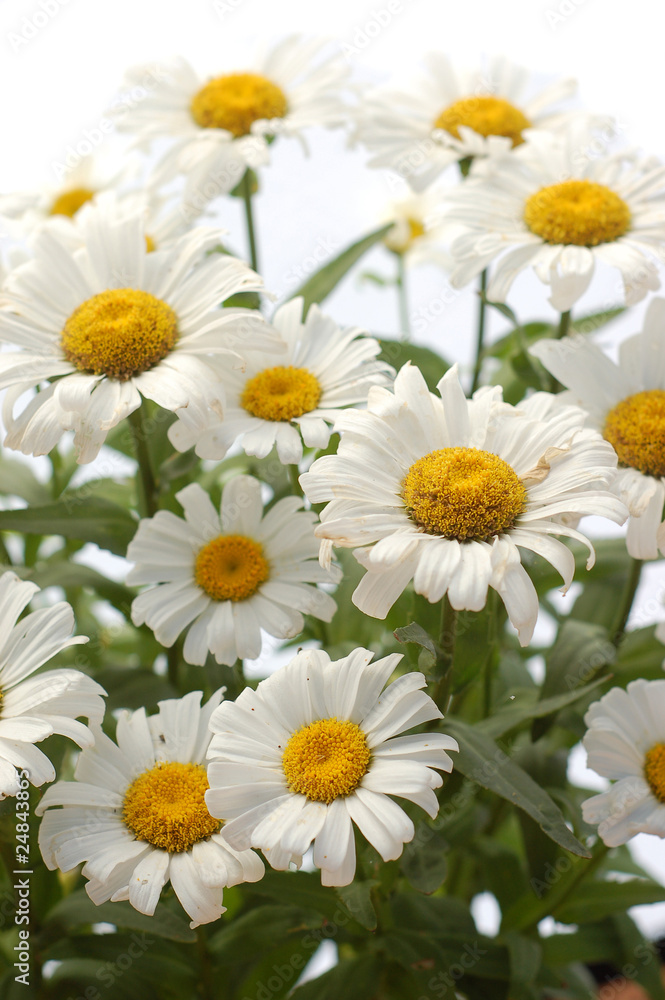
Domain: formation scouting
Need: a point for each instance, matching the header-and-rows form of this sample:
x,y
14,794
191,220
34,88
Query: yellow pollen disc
x,y
635,428
281,393
415,229
486,116
119,333
580,212
233,102
654,770
165,806
326,759
69,202
231,568
463,493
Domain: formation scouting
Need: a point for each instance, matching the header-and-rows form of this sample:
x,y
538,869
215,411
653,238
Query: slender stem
x,y
482,303
566,886
632,583
402,297
492,638
564,325
145,476
246,183
445,660
173,664
205,965
294,473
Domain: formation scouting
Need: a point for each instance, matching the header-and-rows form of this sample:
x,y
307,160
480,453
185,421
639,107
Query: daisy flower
x,y
317,748
453,116
608,209
225,576
223,125
625,741
34,707
113,322
444,491
136,815
626,403
288,399
412,237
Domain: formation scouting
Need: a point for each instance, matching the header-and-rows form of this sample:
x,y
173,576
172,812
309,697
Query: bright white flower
x,y
285,399
222,126
413,236
608,209
136,815
317,748
626,403
227,575
444,491
625,741
113,322
34,707
454,115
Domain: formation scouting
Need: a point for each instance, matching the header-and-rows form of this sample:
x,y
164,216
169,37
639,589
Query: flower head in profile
x,y
136,815
317,748
609,209
454,115
225,575
445,491
626,403
103,325
625,741
222,125
36,705
287,399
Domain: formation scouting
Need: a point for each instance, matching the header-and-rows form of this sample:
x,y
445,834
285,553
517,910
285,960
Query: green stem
x,y
173,664
294,473
445,660
482,304
632,583
205,965
492,640
564,325
566,886
246,185
145,477
402,298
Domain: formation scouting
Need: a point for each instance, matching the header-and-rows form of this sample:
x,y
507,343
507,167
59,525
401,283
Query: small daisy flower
x,y
413,237
136,815
626,403
225,576
453,116
608,210
223,125
34,707
316,749
111,322
445,491
288,399
625,741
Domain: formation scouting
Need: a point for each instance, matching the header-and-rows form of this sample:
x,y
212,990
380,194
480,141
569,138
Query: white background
x,y
57,78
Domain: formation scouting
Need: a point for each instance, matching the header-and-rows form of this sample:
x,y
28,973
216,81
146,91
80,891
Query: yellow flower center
x,y
486,116
326,759
231,568
281,393
635,428
165,806
463,493
149,244
654,770
580,212
119,333
399,241
233,102
69,202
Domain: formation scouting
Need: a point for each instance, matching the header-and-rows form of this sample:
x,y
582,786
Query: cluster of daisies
x,y
116,296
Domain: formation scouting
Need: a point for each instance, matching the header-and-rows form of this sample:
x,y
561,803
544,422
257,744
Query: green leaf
x,y
640,654
424,859
244,936
593,321
89,519
595,900
481,760
18,479
398,352
302,889
525,960
416,633
357,899
637,958
590,943
354,979
77,910
70,574
526,708
319,286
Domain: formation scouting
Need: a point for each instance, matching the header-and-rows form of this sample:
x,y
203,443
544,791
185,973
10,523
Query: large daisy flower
x,y
444,491
626,403
625,741
136,815
226,575
455,115
34,707
223,125
608,209
317,748
285,399
112,322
